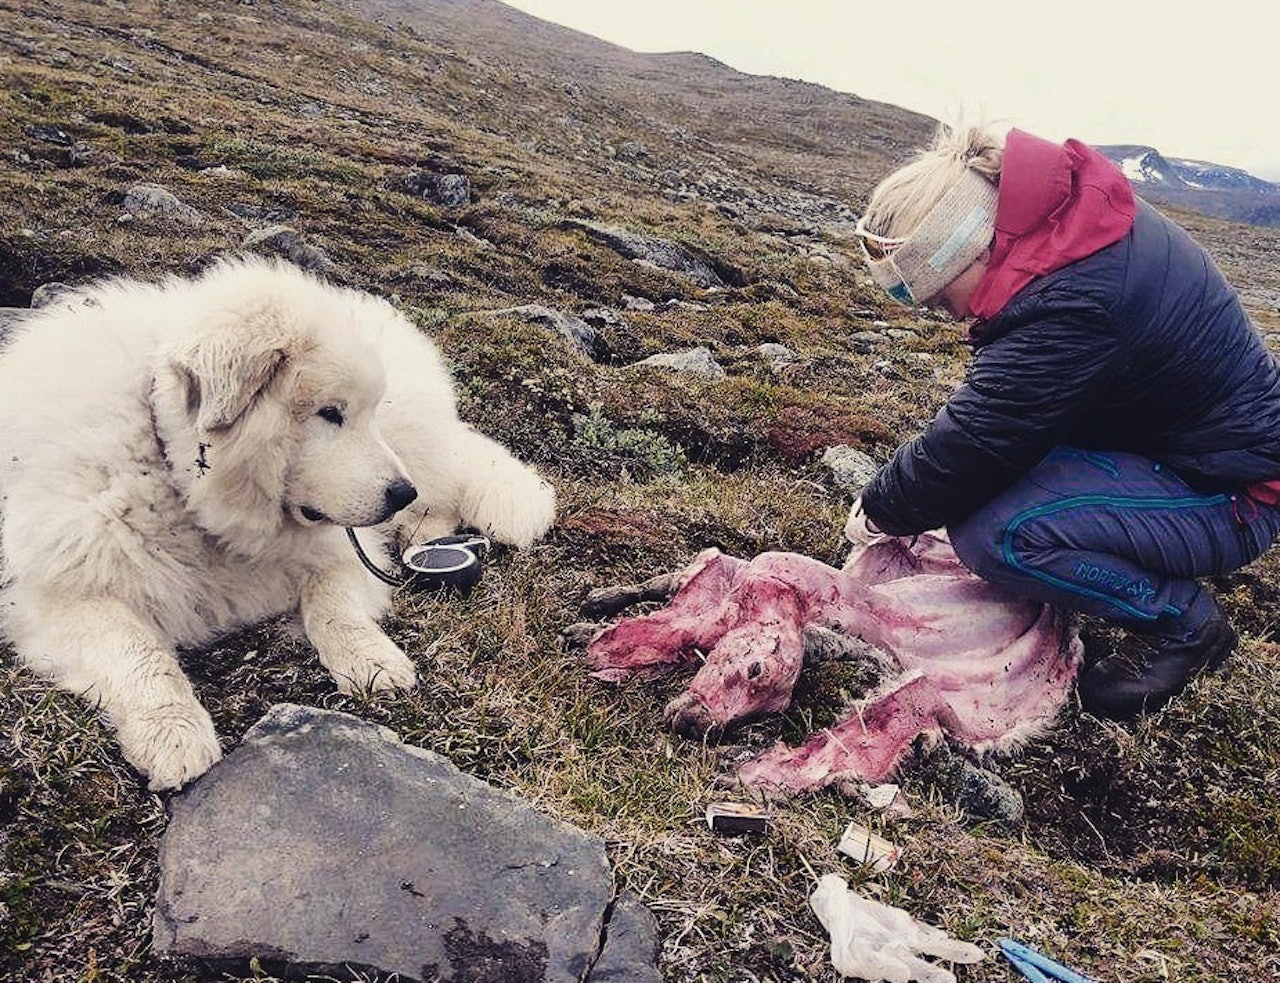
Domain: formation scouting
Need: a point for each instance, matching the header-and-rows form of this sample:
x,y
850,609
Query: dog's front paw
x,y
517,510
170,744
375,664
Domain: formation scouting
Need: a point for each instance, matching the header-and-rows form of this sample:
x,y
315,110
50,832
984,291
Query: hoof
x,y
689,717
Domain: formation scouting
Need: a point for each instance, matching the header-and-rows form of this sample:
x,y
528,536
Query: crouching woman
x,y
1117,436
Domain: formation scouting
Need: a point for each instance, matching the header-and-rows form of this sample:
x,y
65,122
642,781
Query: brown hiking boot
x,y
1120,688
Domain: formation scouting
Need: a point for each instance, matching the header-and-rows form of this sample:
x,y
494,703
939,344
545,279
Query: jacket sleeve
x,y
1022,395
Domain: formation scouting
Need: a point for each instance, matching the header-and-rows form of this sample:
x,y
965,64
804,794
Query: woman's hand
x,y
859,530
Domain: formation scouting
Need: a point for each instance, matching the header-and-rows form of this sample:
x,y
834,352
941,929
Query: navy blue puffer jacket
x,y
1141,347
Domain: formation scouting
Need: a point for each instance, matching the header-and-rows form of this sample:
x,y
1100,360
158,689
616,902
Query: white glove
x,y
858,529
874,941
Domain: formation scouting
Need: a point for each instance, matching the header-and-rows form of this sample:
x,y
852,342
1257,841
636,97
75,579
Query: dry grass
x,y
1148,853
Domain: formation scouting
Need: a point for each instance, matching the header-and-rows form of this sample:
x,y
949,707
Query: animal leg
x,y
694,621
101,650
867,744
501,496
359,656
605,602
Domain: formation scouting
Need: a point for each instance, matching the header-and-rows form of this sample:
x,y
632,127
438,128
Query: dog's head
x,y
267,403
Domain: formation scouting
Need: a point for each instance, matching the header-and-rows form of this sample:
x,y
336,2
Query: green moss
x,y
640,445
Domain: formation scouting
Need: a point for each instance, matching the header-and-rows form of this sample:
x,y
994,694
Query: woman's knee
x,y
977,542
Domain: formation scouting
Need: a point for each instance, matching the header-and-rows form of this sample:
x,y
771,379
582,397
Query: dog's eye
x,y
330,414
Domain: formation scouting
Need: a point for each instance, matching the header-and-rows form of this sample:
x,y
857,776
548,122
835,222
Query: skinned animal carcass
x,y
962,657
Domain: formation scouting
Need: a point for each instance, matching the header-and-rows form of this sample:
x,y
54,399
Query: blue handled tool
x,y
1036,966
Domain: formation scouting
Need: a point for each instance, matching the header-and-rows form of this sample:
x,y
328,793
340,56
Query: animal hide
x,y
962,657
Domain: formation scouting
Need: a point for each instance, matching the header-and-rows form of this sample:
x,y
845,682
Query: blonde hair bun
x,y
974,145
900,202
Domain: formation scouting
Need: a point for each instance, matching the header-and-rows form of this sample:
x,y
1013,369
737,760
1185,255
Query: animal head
x,y
266,401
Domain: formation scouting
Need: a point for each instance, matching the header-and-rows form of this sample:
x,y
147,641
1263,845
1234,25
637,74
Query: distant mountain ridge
x,y
1213,189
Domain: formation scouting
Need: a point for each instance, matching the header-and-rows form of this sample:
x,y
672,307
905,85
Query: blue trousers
x,y
1116,536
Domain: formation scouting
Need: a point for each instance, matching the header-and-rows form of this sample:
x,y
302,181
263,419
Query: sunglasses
x,y
878,251
876,247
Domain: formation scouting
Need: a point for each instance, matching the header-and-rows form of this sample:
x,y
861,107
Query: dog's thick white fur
x,y
178,460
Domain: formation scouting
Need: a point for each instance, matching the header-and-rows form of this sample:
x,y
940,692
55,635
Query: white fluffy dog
x,y
178,460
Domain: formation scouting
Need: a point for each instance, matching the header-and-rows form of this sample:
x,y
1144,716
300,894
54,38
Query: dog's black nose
x,y
399,494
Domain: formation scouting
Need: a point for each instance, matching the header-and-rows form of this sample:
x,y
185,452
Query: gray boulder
x,y
571,328
851,468
696,361
663,254
48,134
450,190
779,357
323,844
638,303
282,241
151,201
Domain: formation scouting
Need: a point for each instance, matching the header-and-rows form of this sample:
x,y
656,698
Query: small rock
x,y
633,303
154,202
222,172
48,293
280,240
450,190
430,276
631,150
574,330
469,237
866,341
630,951
851,468
677,304
983,794
979,793
603,317
778,356
260,213
656,253
696,361
887,369
48,134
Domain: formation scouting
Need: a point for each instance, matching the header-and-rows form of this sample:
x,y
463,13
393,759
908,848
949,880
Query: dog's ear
x,y
223,374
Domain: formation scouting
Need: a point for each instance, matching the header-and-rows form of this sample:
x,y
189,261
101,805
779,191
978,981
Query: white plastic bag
x,y
874,941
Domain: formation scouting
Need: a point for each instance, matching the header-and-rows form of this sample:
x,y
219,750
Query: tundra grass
x,y
1148,852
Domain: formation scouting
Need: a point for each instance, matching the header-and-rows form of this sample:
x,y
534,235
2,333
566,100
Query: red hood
x,y
1057,204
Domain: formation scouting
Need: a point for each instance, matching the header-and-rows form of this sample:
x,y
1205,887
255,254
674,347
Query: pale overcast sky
x,y
1199,81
